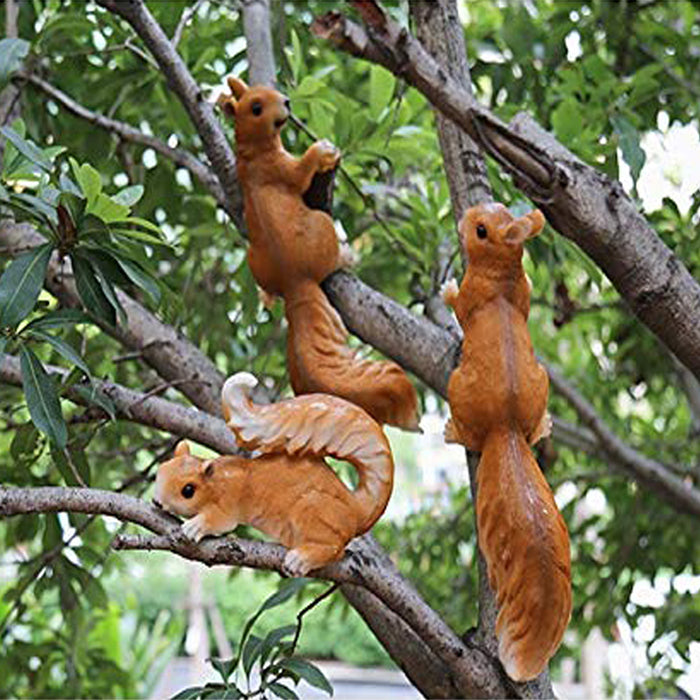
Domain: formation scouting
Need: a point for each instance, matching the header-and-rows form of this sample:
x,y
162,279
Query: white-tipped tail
x,y
315,425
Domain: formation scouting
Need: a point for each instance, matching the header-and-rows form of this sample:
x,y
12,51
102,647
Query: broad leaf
x,y
29,150
61,318
140,278
21,284
90,291
12,53
629,141
310,673
42,399
281,691
129,195
62,347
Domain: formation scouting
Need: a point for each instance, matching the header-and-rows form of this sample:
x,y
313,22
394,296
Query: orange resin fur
x,y
288,492
293,249
498,400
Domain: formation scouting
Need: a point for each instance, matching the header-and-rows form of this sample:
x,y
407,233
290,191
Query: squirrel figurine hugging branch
x,y
293,248
288,492
498,401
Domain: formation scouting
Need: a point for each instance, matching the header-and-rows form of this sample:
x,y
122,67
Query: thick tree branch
x,y
160,345
580,202
179,156
365,567
151,411
181,82
261,57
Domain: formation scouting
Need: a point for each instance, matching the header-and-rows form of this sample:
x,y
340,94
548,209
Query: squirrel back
x,y
498,401
293,248
315,425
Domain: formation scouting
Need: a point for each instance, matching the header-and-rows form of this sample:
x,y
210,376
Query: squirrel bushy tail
x,y
319,361
315,425
524,540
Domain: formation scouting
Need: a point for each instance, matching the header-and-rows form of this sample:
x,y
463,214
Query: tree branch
x,y
364,566
182,83
580,202
261,57
179,156
151,411
161,346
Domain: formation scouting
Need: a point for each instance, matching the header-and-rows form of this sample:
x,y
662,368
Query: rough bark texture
x,y
261,57
580,202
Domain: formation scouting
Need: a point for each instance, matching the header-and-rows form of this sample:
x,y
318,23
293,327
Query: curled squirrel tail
x,y
526,546
315,425
320,361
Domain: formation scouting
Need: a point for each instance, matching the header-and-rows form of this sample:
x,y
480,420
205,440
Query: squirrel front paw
x,y
450,292
195,528
294,564
328,155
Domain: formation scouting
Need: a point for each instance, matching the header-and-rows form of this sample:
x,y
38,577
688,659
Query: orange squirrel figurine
x,y
293,249
288,492
498,401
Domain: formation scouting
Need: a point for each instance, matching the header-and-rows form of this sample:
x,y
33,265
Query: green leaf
x,y
566,120
61,318
21,284
629,141
29,150
62,347
310,673
109,291
224,667
97,397
251,651
12,53
90,183
90,291
129,195
140,236
288,589
381,90
188,693
140,278
107,209
42,399
142,223
281,691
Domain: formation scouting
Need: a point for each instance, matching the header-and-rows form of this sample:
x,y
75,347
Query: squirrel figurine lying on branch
x,y
293,248
498,401
288,492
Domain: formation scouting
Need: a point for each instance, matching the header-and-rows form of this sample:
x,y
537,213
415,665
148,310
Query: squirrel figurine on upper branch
x,y
288,492
498,401
293,248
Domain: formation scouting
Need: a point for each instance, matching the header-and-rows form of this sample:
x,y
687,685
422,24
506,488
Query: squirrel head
x,y
494,236
259,112
185,483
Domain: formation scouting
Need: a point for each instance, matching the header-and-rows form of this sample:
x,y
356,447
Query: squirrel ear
x,y
237,86
208,470
182,448
227,105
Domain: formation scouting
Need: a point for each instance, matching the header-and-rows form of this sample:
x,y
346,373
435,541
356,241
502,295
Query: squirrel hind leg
x,y
307,557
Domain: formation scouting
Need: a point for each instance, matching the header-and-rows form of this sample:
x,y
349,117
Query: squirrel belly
x,y
319,360
526,546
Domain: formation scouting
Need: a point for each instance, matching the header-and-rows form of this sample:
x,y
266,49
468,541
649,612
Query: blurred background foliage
x,y
601,75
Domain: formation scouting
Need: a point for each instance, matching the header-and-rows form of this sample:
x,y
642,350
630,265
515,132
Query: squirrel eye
x,y
256,109
188,490
481,231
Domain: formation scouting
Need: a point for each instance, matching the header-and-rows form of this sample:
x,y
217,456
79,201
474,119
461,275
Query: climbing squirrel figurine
x,y
498,401
293,249
287,492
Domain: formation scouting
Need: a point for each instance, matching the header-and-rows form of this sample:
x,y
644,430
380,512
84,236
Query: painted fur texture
x,y
498,401
287,492
293,248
